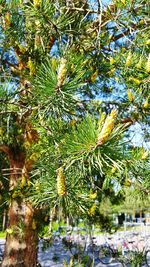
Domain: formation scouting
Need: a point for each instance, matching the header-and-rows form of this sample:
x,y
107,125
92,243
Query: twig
x,y
99,19
80,9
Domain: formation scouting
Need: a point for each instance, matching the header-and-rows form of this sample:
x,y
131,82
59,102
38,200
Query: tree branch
x,y
80,9
5,149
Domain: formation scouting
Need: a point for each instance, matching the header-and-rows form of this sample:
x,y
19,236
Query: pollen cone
x,y
107,127
61,183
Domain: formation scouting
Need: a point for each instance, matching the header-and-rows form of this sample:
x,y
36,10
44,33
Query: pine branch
x,y
6,150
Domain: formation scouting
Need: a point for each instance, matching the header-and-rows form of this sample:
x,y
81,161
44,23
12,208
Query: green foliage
x,y
81,147
44,193
136,258
59,100
62,67
2,234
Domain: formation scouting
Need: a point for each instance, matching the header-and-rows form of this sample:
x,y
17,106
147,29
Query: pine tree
x,y
74,81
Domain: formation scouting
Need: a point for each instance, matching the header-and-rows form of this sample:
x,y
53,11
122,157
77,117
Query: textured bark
x,y
21,244
21,240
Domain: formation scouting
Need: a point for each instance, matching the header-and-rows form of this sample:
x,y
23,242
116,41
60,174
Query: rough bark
x,y
21,240
21,243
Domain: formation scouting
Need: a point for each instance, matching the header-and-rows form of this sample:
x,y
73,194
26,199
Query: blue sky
x,y
137,136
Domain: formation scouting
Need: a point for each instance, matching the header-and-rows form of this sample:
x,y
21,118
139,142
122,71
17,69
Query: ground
x,y
57,253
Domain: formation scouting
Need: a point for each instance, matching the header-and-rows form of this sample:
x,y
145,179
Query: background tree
x,y
135,192
74,81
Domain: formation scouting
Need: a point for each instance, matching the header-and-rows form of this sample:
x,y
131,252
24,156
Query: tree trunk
x,y
22,240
